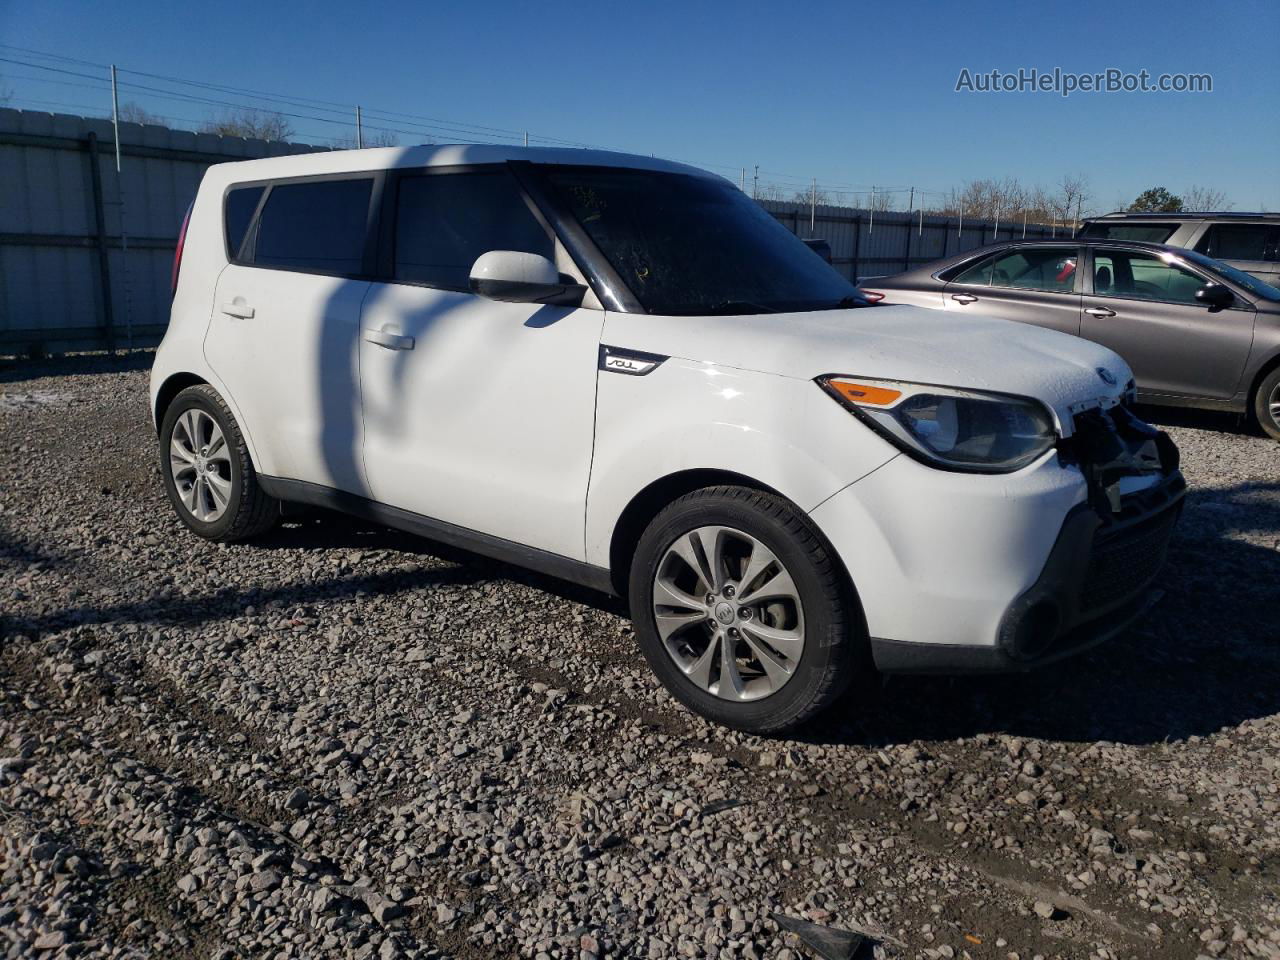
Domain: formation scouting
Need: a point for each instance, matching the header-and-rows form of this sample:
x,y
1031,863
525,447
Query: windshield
x,y
690,245
1238,277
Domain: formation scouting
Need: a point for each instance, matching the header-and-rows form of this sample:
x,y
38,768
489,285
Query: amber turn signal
x,y
865,394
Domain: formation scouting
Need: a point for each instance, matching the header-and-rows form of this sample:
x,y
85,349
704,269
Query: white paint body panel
x,y
487,422
938,557
894,343
292,368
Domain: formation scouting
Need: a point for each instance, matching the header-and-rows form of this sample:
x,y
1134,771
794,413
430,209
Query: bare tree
x,y
809,195
1074,197
251,123
987,199
1197,199
132,113
380,138
770,191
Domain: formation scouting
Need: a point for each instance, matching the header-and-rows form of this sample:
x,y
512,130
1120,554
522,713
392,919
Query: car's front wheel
x,y
742,610
1266,403
207,470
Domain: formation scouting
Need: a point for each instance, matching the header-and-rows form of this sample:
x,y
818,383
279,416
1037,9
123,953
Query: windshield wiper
x,y
738,306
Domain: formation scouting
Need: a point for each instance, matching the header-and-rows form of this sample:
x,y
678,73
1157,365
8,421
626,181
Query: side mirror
x,y
1215,296
515,277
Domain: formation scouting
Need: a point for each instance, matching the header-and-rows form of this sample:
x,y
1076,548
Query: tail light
x,y
182,242
872,296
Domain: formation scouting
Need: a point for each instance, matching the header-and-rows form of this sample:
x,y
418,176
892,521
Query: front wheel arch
x,y
1256,399
645,506
652,500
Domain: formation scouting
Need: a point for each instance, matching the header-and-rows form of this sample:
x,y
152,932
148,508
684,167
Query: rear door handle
x,y
388,339
238,308
964,298
1099,312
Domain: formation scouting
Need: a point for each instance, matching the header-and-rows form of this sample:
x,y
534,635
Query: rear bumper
x,y
1096,581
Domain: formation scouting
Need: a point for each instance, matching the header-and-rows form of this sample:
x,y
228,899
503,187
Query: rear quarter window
x,y
1141,232
1240,241
237,212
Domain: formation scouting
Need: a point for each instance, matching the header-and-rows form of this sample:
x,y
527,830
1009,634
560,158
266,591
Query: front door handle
x,y
1099,312
389,339
964,298
238,308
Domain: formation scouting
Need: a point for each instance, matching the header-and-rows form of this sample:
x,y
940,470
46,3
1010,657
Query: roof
x,y
1184,215
437,155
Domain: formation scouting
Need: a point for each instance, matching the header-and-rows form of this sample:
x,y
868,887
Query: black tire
x,y
1268,392
835,649
250,511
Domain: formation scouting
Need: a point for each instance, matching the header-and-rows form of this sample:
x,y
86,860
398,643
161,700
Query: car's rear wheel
x,y
207,470
742,610
1266,403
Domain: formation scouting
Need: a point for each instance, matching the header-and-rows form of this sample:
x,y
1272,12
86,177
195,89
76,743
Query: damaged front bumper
x,y
1099,574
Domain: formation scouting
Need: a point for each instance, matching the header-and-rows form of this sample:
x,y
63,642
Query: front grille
x,y
1125,560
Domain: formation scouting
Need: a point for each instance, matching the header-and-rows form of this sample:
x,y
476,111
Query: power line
x,y
392,121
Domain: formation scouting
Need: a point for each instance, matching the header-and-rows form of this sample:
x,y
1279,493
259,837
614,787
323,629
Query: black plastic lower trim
x,y
899,656
508,551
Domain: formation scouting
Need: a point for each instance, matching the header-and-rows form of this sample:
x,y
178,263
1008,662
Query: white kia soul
x,y
623,372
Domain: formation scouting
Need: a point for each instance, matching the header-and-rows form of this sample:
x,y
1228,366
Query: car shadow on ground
x,y
1207,656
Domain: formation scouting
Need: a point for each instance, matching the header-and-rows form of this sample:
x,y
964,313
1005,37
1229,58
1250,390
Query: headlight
x,y
947,427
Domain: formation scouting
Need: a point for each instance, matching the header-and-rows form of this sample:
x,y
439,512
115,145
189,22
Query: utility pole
x,y
124,234
359,129
526,138
813,204
911,202
1024,224
742,184
755,184
1079,201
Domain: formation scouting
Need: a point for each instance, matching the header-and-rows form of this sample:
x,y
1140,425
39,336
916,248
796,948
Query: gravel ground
x,y
343,741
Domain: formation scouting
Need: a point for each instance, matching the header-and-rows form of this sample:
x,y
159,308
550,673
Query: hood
x,y
893,343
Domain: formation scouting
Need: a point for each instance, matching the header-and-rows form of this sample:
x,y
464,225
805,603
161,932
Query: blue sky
x,y
853,94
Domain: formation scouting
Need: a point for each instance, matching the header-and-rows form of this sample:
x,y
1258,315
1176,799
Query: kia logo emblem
x,y
1107,376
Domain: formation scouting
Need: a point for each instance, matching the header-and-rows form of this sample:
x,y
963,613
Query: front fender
x,y
784,433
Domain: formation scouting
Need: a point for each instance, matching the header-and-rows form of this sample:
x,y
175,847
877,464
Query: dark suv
x,y
1246,241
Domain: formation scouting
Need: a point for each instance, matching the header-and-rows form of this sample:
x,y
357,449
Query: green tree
x,y
1156,200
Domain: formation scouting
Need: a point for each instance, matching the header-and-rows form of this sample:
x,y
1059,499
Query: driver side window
x,y
1143,276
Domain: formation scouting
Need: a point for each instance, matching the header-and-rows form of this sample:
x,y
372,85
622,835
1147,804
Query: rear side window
x,y
445,221
236,215
1240,241
1029,268
1142,232
317,227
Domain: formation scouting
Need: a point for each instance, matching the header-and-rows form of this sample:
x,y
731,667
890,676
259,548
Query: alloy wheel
x,y
728,613
200,462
